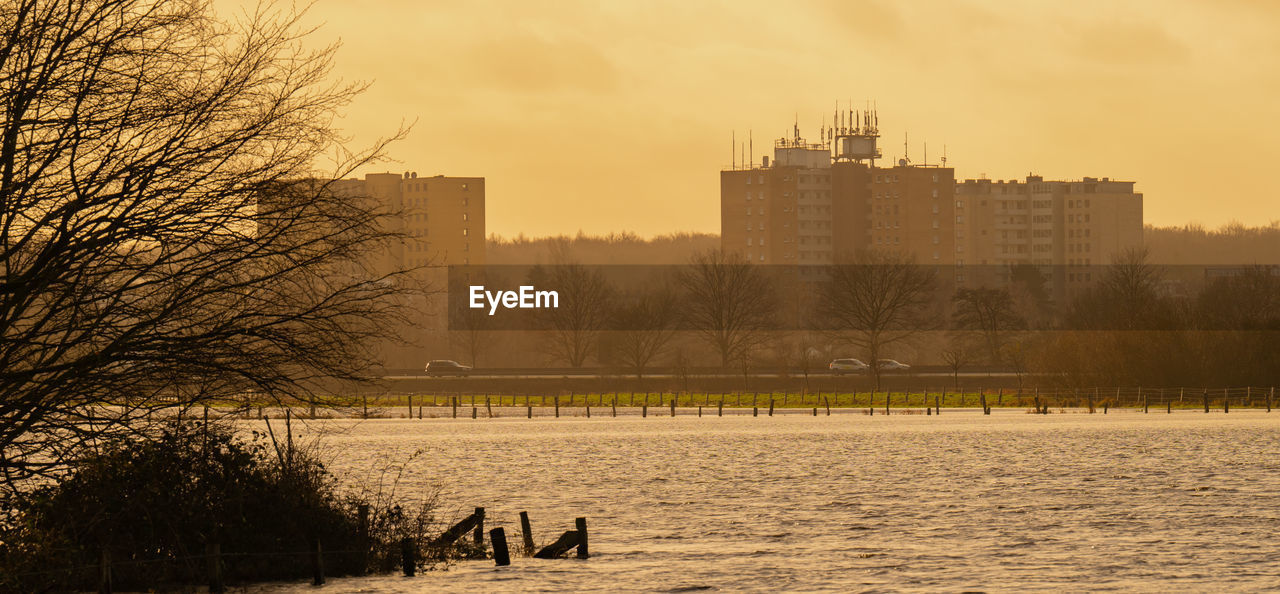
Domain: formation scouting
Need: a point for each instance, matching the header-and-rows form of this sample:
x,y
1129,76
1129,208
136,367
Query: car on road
x,y
441,367
891,365
843,366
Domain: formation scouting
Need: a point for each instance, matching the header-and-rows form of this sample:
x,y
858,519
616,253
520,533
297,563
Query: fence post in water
x,y
1205,396
557,401
1270,395
673,405
614,404
526,533
408,562
644,410
937,403
1145,409
473,412
477,534
581,524
699,411
1226,401
317,564
720,407
453,401
411,406
588,410
528,408
365,399
501,556
213,553
771,406
755,411
982,401
488,406
104,571
888,395
827,404
362,537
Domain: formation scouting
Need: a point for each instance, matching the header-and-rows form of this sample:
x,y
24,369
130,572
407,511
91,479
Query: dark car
x,y
447,367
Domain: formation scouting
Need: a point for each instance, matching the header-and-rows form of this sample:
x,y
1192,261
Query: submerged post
x,y
557,401
673,405
581,524
408,561
771,406
477,535
362,537
720,407
1205,396
213,553
317,564
526,533
501,556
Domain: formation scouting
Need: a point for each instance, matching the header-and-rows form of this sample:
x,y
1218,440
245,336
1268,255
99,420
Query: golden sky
x,y
609,116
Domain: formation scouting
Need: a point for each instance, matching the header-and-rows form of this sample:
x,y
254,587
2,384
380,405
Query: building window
x,y
466,232
935,190
748,242
464,216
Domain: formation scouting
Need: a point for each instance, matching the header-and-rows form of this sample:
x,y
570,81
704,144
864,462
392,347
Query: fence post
x,y
488,406
557,401
362,537
771,406
410,409
673,405
720,407
477,534
104,571
614,404
453,402
365,400
213,553
501,556
408,562
1205,396
1270,395
317,564
581,525
526,533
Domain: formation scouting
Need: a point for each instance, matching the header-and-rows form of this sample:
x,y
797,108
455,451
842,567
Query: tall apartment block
x,y
443,220
443,216
819,203
816,203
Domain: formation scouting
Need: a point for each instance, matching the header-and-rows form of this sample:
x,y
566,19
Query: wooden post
x,y
501,556
1145,408
581,524
755,411
477,534
1226,401
614,404
488,406
526,532
362,537
213,554
408,560
815,411
673,405
410,409
557,401
699,411
473,412
317,564
1168,407
828,405
453,401
104,571
365,414
887,396
720,407
588,410
1270,395
771,406
644,410
528,408
982,401
1205,396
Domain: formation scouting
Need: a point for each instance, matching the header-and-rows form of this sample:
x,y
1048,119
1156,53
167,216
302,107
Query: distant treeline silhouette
x,y
615,248
1233,243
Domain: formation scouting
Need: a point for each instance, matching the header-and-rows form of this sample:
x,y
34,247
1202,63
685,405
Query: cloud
x,y
534,63
1127,44
866,18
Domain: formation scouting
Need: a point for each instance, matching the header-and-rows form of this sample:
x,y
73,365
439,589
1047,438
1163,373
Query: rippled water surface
x,y
1123,501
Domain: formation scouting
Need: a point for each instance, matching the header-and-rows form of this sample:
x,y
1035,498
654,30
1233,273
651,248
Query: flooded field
x,y
1123,501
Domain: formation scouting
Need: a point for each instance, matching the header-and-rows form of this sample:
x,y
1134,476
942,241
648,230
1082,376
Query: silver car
x,y
843,366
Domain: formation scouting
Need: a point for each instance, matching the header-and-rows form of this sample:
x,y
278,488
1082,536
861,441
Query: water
x,y
1011,501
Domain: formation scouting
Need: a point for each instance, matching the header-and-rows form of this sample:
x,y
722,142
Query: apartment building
x,y
820,203
1068,228
443,221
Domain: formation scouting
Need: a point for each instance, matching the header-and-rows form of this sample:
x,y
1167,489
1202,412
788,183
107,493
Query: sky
x,y
604,116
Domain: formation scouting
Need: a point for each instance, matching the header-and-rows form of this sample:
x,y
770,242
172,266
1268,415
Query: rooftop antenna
x,y
906,156
944,155
926,154
751,151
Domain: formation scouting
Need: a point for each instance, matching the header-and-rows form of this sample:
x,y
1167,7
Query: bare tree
x,y
645,326
730,303
956,356
990,311
574,326
166,237
877,299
